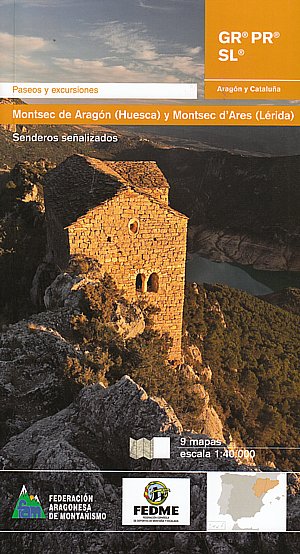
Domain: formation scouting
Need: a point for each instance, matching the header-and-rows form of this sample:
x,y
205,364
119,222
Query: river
x,y
254,281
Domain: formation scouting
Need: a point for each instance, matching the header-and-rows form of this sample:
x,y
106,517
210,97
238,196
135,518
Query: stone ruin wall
x,y
158,247
58,250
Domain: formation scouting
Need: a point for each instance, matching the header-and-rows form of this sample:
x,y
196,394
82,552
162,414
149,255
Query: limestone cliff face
x,y
246,249
208,421
32,381
98,424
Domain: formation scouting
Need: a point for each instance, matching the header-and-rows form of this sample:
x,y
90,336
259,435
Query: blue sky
x,y
101,40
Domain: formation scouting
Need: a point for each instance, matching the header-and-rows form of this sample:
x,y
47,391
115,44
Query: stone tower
x,y
118,213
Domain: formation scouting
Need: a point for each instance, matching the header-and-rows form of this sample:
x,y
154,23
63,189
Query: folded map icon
x,y
156,448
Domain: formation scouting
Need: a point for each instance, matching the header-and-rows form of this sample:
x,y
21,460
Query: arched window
x,y
152,285
140,283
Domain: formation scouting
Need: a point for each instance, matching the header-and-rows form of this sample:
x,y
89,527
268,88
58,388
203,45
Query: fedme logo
x,y
156,493
156,502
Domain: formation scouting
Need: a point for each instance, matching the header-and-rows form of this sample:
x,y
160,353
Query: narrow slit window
x,y
140,283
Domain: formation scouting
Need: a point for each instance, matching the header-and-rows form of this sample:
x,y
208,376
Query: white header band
x,y
137,91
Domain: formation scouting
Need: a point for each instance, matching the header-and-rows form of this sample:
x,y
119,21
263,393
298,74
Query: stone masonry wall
x,y
57,240
159,246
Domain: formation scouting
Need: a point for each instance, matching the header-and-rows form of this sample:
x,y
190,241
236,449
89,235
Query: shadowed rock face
x,y
98,423
32,382
246,249
33,355
242,208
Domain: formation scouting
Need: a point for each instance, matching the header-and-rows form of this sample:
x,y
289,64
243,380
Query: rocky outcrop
x,y
212,425
32,382
226,246
208,421
127,320
216,309
200,374
64,291
97,426
122,411
28,178
67,291
45,274
34,353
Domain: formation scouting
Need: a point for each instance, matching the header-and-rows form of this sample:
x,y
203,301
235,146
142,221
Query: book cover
x,y
149,276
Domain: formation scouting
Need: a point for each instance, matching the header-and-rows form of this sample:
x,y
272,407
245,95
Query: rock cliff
x,y
35,353
246,249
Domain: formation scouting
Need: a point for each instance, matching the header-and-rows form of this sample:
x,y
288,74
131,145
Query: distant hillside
x,y
253,350
263,141
241,208
226,190
287,299
214,188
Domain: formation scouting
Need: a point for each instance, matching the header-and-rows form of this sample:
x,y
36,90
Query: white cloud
x,y
132,45
169,5
22,44
155,7
193,51
181,64
126,52
26,69
95,70
19,56
123,38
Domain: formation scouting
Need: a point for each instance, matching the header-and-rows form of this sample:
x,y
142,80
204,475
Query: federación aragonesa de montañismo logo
x,y
28,506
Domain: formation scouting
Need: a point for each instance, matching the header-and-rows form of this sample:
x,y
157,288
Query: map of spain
x,y
246,501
